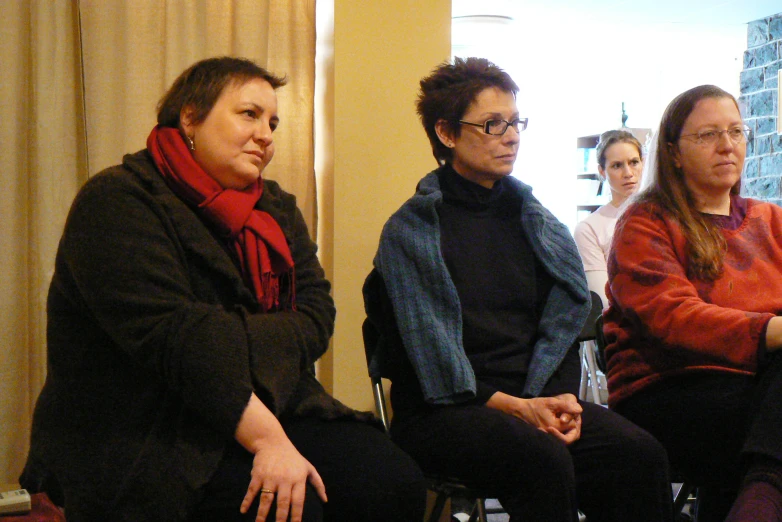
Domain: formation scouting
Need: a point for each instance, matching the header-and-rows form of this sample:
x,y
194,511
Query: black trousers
x,y
366,476
712,425
615,472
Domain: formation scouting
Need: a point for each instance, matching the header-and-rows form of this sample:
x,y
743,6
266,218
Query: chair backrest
x,y
600,343
588,332
371,338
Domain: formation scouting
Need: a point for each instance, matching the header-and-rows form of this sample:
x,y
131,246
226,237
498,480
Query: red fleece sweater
x,y
662,322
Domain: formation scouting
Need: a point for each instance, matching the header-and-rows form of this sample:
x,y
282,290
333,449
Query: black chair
x,y
444,488
600,344
589,365
687,492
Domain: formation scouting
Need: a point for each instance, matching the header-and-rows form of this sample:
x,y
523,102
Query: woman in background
x,y
185,314
692,328
620,164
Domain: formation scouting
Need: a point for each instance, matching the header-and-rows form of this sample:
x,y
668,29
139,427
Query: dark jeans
x,y
616,472
366,477
712,425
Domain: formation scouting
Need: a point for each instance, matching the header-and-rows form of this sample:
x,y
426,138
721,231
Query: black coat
x,y
155,344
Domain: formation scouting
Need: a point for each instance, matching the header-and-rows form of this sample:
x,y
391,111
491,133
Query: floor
x,y
492,517
491,503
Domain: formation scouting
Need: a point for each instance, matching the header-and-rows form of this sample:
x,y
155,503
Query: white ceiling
x,y
698,12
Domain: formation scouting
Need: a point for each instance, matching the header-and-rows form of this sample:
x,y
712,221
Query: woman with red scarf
x,y
185,314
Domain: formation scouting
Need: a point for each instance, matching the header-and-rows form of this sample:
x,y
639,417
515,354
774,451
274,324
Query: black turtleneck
x,y
501,285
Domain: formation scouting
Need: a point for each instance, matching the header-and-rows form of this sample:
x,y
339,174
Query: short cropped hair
x,y
201,84
447,93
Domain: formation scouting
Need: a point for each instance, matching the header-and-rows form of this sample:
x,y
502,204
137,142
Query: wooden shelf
x,y
587,142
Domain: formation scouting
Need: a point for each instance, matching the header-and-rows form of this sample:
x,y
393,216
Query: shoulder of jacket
x,y
275,193
114,179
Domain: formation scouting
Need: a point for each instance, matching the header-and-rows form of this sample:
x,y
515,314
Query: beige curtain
x,y
80,83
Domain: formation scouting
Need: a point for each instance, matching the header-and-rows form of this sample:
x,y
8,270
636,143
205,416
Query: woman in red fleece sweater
x,y
695,284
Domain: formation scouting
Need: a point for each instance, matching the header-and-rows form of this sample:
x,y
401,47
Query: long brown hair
x,y
705,243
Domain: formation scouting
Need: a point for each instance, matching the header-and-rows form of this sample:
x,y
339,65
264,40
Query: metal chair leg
x,y
582,387
478,511
681,497
589,352
437,509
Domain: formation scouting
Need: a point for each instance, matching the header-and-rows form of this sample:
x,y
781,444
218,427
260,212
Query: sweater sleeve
x,y
654,302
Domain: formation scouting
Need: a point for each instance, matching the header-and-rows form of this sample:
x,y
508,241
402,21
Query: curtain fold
x,y
43,163
81,80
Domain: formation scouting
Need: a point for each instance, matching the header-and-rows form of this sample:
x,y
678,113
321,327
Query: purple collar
x,y
738,211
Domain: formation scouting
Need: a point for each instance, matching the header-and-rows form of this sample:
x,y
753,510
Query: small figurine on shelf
x,y
624,116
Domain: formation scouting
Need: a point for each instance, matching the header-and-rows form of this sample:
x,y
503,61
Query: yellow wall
x,y
379,152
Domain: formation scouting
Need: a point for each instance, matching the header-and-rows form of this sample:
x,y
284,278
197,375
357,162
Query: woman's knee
x,y
396,491
367,476
489,448
399,500
642,447
637,452
535,462
621,444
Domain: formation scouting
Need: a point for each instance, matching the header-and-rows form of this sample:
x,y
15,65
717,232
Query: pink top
x,y
593,237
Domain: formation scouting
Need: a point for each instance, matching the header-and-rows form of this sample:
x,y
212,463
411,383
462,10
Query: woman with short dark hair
x,y
478,295
185,314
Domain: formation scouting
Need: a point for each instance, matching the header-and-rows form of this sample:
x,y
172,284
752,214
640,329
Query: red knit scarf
x,y
259,241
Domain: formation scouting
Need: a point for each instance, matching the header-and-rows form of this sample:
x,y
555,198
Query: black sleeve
x,y
121,263
284,345
567,378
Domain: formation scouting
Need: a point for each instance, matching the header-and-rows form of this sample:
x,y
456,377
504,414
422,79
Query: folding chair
x,y
589,366
687,492
444,488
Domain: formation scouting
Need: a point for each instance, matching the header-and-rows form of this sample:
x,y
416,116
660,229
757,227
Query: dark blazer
x,y
155,345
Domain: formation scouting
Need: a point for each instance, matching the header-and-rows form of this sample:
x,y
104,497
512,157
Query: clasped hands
x,y
559,416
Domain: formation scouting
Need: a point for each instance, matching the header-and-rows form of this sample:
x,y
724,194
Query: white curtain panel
x,y
80,83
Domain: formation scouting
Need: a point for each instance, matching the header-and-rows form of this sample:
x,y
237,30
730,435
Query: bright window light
x,y
574,76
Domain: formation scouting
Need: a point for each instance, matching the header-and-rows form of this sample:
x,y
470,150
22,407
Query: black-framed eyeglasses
x,y
498,127
710,137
